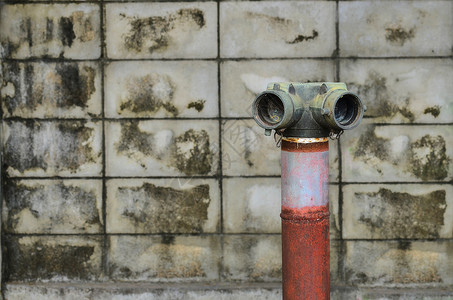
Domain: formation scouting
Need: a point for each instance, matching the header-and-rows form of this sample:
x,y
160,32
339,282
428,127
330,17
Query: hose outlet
x,y
274,109
307,110
340,110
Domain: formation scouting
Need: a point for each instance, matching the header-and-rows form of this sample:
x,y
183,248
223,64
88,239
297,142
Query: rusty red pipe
x,y
305,114
305,218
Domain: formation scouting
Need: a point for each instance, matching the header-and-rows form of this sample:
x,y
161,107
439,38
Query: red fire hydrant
x,y
305,116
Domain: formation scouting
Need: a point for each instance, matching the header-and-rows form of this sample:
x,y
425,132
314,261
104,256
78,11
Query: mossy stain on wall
x,y
38,260
391,214
189,152
379,99
53,205
36,86
148,94
52,147
161,209
428,158
157,29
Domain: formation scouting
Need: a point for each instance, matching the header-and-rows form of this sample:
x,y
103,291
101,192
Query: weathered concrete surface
x,y
397,211
156,30
129,153
399,263
45,90
161,89
374,153
163,206
50,30
164,259
53,206
411,91
53,258
404,28
160,148
235,291
62,148
276,29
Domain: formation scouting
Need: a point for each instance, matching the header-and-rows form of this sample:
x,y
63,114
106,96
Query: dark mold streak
x,y
197,105
75,87
433,110
29,30
300,38
49,29
267,18
399,35
66,31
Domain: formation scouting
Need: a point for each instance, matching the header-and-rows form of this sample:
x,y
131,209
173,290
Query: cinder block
x,y
399,263
50,30
53,258
252,258
253,205
58,148
162,89
52,206
157,30
162,148
45,292
163,259
377,153
174,205
277,29
402,91
397,211
247,151
42,90
403,28
242,81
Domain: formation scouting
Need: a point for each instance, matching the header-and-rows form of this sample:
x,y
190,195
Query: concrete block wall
x,y
132,168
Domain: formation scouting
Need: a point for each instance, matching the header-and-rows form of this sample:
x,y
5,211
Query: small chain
x,y
335,135
278,140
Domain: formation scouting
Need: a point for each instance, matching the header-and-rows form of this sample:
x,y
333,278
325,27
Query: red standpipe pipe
x,y
305,218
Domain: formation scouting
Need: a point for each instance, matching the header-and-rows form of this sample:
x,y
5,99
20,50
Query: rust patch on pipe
x,y
288,145
308,213
305,265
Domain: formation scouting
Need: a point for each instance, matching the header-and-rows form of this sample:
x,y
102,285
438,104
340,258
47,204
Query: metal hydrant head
x,y
307,110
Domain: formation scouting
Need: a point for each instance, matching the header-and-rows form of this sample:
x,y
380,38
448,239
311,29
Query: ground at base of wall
x,y
262,291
